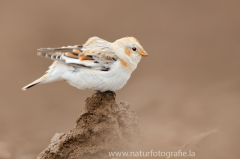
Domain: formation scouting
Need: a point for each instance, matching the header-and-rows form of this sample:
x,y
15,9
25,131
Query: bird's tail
x,y
40,80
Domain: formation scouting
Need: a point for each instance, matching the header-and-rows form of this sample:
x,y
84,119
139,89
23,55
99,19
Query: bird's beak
x,y
143,53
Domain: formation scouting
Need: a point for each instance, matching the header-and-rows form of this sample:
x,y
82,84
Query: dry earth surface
x,y
185,93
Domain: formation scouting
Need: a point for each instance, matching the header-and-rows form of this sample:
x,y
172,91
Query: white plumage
x,y
97,65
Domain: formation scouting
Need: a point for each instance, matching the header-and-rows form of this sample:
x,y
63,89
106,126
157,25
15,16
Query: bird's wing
x,y
96,54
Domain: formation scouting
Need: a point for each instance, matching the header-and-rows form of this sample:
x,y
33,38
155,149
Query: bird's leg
x,y
98,92
110,92
106,93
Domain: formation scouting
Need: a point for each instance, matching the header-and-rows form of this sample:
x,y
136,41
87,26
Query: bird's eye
x,y
134,49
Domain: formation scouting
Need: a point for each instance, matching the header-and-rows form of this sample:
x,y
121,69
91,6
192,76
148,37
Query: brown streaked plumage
x,y
127,51
138,42
76,51
80,46
91,40
69,54
82,58
124,63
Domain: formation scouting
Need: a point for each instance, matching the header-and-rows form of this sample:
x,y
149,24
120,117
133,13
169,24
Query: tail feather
x,y
34,83
53,74
51,55
29,86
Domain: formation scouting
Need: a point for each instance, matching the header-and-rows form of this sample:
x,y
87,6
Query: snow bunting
x,y
96,65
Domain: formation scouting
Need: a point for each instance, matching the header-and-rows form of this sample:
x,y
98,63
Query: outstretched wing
x,y
96,54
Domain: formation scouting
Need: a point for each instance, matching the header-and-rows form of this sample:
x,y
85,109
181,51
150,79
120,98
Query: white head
x,y
129,50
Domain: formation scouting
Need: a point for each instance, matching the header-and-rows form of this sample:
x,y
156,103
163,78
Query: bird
x,y
96,65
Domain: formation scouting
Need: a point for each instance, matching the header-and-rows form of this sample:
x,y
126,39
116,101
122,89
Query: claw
x,y
110,92
106,93
98,92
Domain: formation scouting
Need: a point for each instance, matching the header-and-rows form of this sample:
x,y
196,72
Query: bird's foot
x,y
106,93
98,92
110,92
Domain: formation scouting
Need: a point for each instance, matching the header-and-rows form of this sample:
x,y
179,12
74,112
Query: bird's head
x,y
130,50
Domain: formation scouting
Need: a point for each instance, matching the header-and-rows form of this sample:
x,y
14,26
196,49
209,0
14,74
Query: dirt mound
x,y
102,127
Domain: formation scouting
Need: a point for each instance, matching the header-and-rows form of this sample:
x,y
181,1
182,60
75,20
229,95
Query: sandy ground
x,y
187,92
104,126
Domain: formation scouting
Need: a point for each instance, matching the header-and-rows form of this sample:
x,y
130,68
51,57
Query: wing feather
x,y
96,54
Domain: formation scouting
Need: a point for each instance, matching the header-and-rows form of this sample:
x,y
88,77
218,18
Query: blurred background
x,y
186,92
